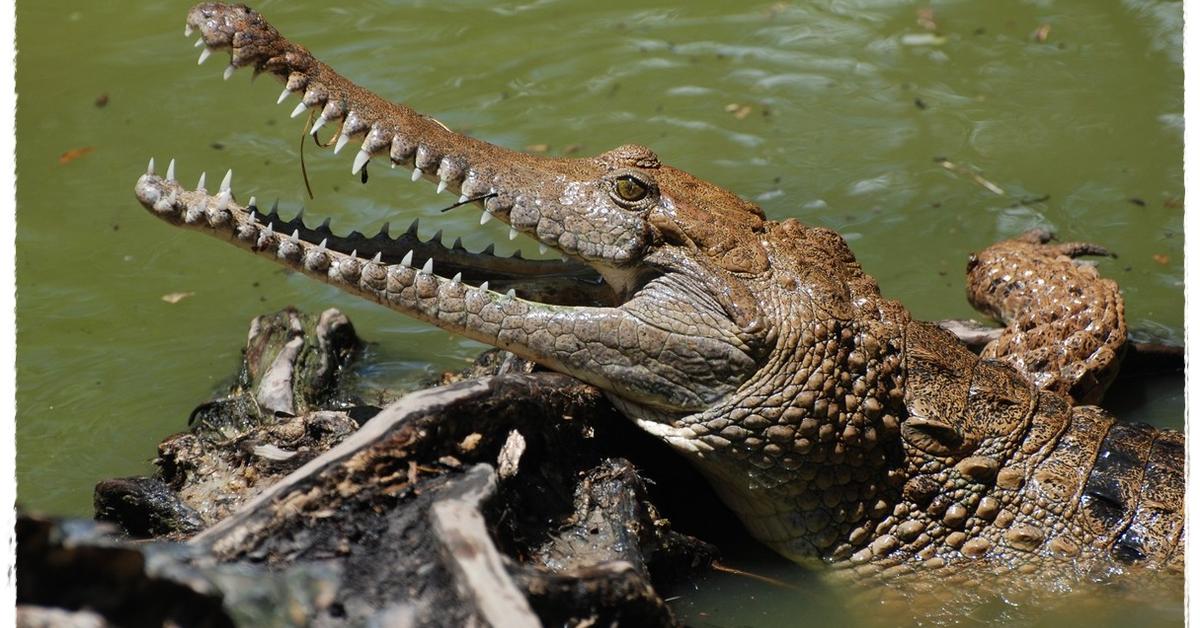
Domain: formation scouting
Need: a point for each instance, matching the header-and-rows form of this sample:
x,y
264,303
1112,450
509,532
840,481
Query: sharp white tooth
x,y
299,109
253,218
542,248
252,204
270,228
407,261
378,259
360,160
228,72
416,175
171,171
321,246
511,293
223,201
150,168
462,198
343,139
483,286
225,183
485,217
188,30
204,54
428,267
199,42
296,235
200,184
320,122
442,186
457,279
512,233
282,96
354,254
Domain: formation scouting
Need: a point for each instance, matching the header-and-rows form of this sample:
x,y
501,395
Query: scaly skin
x,y
833,424
1065,325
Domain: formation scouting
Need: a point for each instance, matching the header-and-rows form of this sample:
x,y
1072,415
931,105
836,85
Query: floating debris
x,y
73,154
925,19
739,111
922,39
176,297
971,174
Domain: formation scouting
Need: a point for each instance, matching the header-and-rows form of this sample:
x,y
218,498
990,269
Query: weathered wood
x,y
476,564
1141,358
392,523
236,530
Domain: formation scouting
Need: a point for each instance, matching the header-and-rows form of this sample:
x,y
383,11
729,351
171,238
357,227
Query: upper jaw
x,y
385,130
501,182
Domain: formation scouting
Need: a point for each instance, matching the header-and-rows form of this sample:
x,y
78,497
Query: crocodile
x,y
838,428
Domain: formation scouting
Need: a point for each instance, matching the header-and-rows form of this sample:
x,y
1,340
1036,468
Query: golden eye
x,y
630,189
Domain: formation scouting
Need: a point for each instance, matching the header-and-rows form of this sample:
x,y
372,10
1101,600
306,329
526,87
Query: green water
x,y
849,103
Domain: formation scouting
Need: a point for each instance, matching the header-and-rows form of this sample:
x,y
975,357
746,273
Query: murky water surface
x,y
834,112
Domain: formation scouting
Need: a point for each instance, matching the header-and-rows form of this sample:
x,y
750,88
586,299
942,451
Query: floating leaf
x,y
739,111
73,154
925,19
176,297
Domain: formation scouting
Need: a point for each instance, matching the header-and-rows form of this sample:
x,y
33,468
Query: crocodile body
x,y
836,426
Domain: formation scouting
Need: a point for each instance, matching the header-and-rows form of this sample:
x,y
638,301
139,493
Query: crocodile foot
x,y
1065,324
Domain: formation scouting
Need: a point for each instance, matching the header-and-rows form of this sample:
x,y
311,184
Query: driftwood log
x,y
503,500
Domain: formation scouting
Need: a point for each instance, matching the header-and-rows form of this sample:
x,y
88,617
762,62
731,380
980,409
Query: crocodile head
x,y
622,220
758,348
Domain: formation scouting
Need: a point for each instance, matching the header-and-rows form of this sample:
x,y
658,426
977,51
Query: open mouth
x,y
381,266
362,264
601,314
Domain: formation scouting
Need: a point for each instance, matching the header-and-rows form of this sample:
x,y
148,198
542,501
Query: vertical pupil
x,y
629,189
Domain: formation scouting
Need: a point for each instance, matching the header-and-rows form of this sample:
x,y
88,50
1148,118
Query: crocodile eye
x,y
630,189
